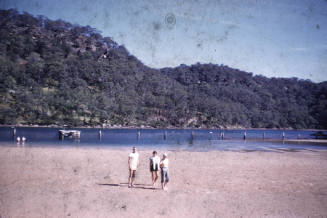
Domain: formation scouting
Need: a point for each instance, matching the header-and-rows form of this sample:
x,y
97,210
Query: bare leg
x,y
156,176
130,178
152,176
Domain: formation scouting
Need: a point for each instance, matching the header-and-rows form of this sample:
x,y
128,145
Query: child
x,y
164,172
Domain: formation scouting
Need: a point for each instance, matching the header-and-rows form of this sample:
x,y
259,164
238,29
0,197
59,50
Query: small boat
x,y
69,133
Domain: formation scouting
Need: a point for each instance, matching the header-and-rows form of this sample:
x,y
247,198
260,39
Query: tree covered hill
x,y
53,72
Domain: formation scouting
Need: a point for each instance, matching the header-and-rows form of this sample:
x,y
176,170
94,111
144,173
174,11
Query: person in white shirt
x,y
133,163
164,172
154,167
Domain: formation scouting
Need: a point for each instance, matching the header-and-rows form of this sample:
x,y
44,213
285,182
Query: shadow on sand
x,y
139,186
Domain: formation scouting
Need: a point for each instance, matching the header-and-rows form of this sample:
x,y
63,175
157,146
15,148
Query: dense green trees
x,y
53,72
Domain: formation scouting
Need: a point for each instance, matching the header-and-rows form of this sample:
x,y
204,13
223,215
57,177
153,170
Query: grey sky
x,y
280,38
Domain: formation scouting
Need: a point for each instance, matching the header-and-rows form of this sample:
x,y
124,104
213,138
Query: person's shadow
x,y
139,186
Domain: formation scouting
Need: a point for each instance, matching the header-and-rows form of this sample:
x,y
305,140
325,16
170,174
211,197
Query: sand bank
x,y
91,182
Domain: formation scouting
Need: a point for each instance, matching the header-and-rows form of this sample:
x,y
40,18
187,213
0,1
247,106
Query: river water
x,y
170,139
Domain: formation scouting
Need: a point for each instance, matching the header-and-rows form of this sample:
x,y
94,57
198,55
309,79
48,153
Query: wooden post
x,y
61,135
244,136
193,135
210,135
100,134
165,135
222,135
14,132
139,135
283,136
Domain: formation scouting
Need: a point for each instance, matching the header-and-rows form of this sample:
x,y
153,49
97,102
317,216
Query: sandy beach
x,y
92,182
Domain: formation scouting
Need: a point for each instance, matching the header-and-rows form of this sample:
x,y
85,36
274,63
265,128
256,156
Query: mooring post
x,y
100,134
283,136
138,135
222,135
165,135
244,136
14,132
193,135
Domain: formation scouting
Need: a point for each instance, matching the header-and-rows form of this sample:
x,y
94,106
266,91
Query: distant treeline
x,y
53,72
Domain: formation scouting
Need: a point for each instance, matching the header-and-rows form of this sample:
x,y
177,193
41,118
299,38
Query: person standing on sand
x,y
164,172
154,167
133,163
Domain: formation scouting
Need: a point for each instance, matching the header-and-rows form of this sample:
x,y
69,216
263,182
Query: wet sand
x,y
92,182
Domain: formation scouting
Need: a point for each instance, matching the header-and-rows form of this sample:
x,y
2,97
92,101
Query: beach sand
x,y
92,182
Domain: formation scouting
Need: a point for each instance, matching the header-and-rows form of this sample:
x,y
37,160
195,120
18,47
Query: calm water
x,y
199,140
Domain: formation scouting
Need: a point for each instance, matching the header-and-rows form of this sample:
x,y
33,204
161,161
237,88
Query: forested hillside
x,y
53,72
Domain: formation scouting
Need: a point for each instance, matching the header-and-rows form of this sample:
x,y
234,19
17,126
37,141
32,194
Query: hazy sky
x,y
280,38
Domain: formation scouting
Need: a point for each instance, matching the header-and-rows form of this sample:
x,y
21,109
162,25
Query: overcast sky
x,y
275,38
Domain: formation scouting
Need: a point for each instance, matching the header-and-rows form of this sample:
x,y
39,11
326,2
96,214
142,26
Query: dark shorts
x,y
164,175
156,168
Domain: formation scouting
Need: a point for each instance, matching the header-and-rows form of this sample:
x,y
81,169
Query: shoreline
x,y
150,128
307,140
